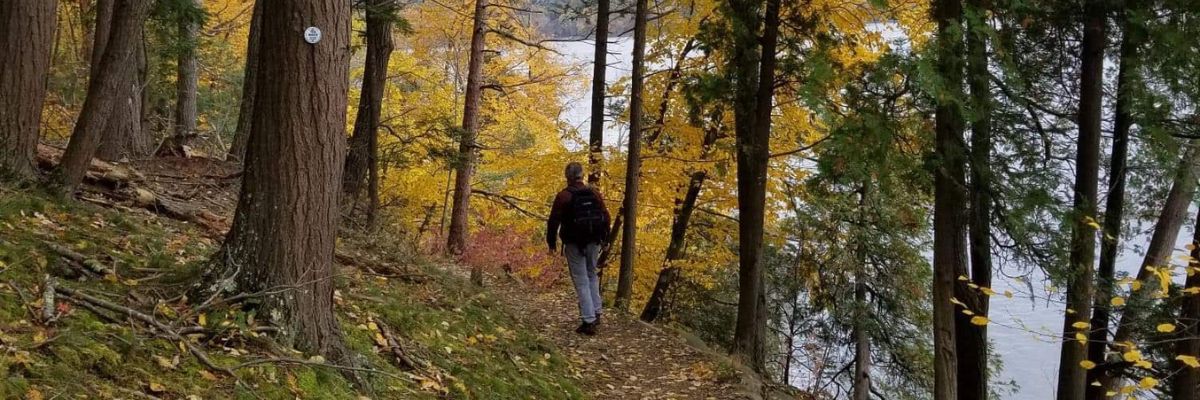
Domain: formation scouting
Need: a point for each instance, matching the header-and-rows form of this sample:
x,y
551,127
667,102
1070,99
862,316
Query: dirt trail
x,y
628,359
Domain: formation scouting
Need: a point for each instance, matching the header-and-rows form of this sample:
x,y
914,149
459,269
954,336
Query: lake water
x,y
1025,329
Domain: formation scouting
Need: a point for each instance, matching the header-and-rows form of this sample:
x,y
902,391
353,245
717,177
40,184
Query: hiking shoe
x,y
585,328
597,323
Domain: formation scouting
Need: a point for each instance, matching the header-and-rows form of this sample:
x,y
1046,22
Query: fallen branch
x,y
380,269
297,361
24,298
200,355
90,265
402,359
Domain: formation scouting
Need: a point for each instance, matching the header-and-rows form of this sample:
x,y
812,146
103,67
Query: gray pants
x,y
583,274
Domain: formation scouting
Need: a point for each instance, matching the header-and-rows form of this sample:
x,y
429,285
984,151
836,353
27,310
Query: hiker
x,y
581,220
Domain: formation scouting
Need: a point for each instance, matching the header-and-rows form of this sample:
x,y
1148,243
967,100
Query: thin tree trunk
x,y
241,134
1113,207
468,150
971,339
613,234
123,136
668,275
949,221
673,79
362,159
754,73
186,82
1186,385
285,225
862,338
633,164
683,215
106,90
1072,377
26,43
1158,253
599,92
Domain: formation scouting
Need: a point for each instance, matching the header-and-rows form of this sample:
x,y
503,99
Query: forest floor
x,y
153,223
628,359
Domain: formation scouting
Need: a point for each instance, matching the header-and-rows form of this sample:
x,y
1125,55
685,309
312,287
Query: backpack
x,y
584,221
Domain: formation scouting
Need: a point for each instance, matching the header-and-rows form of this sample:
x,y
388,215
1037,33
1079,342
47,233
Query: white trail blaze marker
x,y
312,35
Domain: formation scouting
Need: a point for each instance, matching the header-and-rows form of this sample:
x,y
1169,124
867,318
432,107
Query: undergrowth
x,y
467,347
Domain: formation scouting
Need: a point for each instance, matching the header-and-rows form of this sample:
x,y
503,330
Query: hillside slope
x,y
125,342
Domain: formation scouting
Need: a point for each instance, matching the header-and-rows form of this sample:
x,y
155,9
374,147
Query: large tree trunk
x,y
1072,377
363,158
1114,206
1186,385
107,92
971,339
124,136
1158,253
949,221
754,73
683,215
468,150
599,92
26,41
186,82
284,228
633,163
241,134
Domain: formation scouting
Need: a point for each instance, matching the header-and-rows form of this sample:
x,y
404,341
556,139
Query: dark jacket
x,y
561,202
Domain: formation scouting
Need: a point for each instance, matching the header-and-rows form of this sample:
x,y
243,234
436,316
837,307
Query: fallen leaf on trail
x,y
157,387
207,375
166,363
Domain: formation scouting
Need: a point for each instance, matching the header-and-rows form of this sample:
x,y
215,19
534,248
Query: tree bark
x,y
363,158
1158,253
1072,377
754,80
633,163
25,46
1186,382
971,339
468,150
241,134
186,82
285,225
123,135
599,94
1114,205
949,221
107,91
